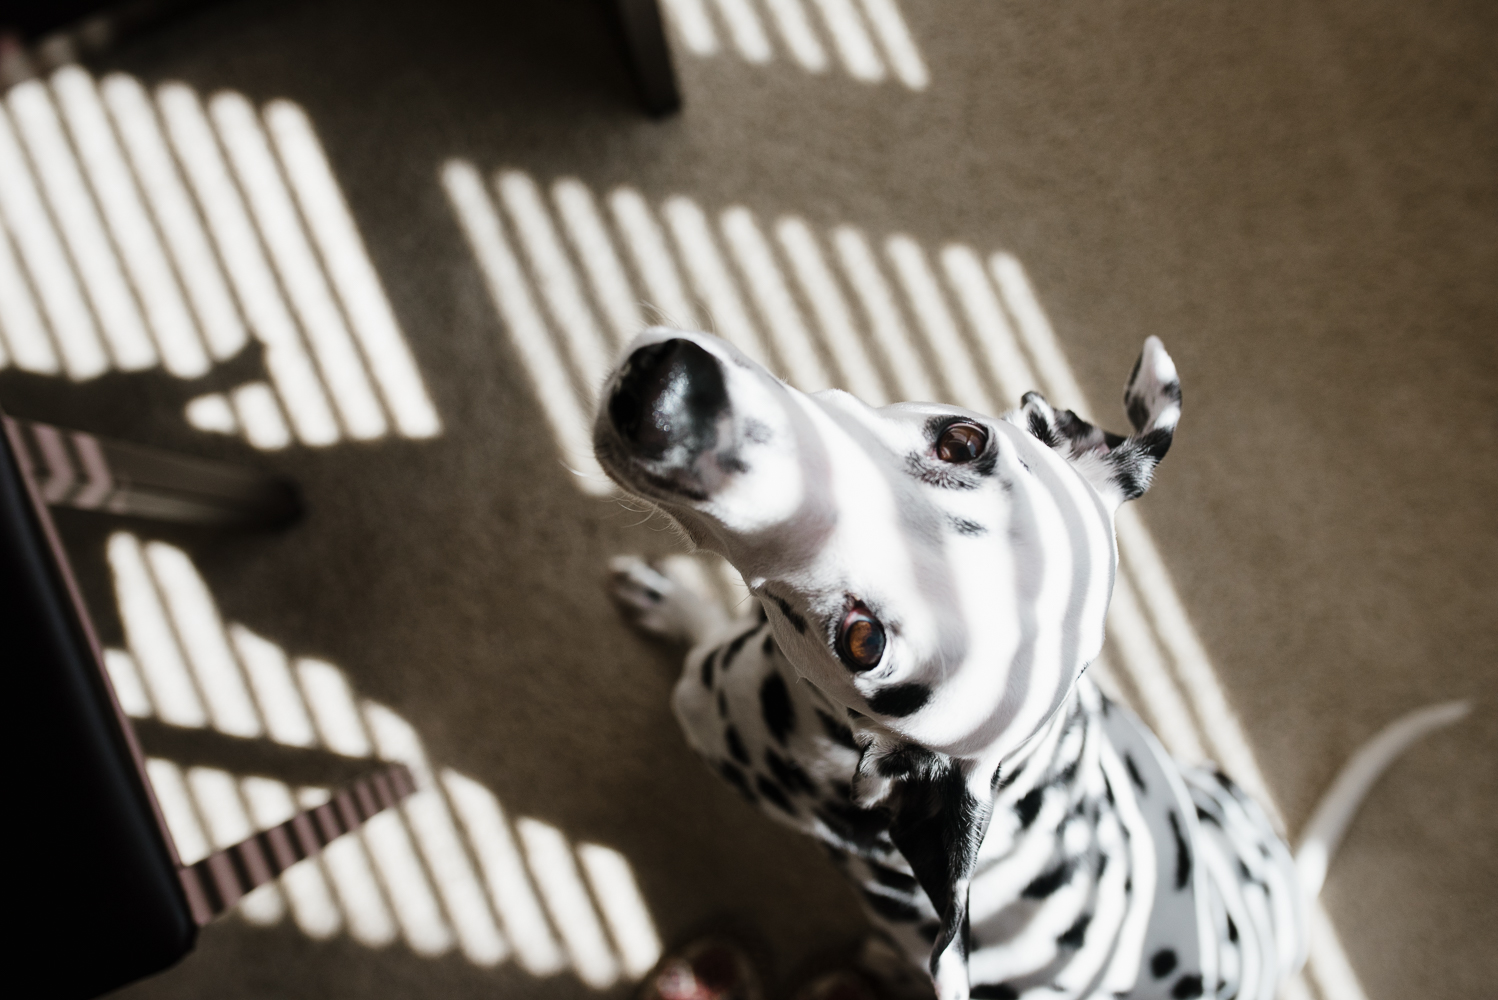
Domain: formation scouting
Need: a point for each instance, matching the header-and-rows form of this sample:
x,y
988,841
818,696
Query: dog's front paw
x,y
672,601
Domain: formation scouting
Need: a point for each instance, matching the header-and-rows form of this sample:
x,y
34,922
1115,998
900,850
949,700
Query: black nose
x,y
669,396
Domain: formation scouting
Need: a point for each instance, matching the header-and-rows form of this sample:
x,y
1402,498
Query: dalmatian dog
x,y
932,585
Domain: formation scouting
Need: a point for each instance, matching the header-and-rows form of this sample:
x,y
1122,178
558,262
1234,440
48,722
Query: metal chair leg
x,y
74,469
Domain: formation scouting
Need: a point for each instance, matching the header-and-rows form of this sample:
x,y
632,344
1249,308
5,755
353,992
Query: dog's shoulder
x,y
775,738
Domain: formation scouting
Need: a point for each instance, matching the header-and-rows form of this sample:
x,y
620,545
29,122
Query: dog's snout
x,y
668,396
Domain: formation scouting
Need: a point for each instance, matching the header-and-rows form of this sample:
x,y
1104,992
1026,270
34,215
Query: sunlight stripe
x,y
618,895
522,321
305,885
211,412
555,871
700,256
589,237
867,281
276,691
854,47
21,326
359,894
21,203
150,637
177,809
859,376
286,359
334,712
745,29
432,823
1221,730
504,873
1141,659
693,26
196,264
554,276
986,319
1038,337
793,342
182,352
257,411
653,260
201,634
217,796
794,26
948,351
125,679
82,230
411,896
889,25
301,274
349,267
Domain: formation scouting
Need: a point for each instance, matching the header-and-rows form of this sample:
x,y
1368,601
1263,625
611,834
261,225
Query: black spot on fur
x,y
970,528
1163,963
735,647
858,827
1183,852
1134,774
735,745
900,700
1232,931
775,794
1076,933
1207,817
892,877
994,991
735,777
789,774
1038,426
1108,790
1187,987
836,730
769,646
890,908
797,622
707,669
1139,413
775,703
1028,807
1046,884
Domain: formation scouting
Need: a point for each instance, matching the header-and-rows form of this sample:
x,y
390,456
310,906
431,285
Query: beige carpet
x,y
1300,200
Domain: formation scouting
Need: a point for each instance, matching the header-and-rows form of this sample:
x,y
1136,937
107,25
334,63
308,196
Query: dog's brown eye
x,y
860,641
961,443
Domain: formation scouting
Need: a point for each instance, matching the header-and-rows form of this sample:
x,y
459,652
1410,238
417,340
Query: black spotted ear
x,y
1120,468
939,808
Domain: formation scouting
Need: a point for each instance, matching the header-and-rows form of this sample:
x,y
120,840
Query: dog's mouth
x,y
666,411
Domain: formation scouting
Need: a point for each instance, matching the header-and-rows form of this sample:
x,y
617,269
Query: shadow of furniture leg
x,y
74,469
649,55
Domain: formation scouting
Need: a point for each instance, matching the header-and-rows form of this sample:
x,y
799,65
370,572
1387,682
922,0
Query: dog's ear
x,y
1120,468
939,808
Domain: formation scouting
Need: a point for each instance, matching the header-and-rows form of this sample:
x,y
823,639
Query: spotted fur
x,y
1013,831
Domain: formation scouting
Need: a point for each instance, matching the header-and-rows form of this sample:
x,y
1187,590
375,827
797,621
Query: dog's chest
x,y
1087,881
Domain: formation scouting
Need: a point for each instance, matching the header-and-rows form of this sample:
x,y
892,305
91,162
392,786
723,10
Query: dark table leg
x,y
649,55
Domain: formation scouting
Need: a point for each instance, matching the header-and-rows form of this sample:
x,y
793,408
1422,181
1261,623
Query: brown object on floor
x,y
709,969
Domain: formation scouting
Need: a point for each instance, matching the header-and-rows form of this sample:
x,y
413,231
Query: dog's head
x,y
942,574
